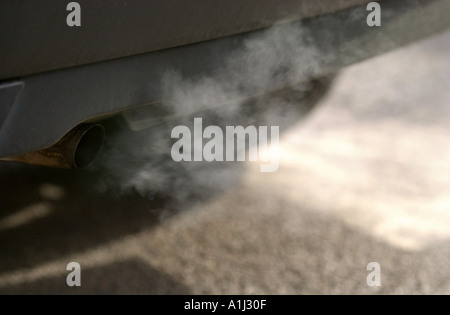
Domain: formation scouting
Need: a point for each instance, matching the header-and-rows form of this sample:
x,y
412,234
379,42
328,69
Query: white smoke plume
x,y
140,161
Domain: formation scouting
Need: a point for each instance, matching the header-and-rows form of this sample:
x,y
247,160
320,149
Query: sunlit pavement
x,y
365,178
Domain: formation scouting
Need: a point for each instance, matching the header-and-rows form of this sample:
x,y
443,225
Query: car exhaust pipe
x,y
79,148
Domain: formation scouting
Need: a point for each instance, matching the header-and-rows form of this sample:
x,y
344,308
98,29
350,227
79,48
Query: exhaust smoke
x,y
234,94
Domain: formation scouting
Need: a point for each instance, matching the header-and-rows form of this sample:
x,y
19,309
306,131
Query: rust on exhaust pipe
x,y
77,149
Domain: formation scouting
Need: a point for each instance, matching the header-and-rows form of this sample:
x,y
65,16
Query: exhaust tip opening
x,y
89,146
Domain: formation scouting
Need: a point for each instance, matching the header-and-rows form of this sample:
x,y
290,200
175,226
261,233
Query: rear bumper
x,y
34,36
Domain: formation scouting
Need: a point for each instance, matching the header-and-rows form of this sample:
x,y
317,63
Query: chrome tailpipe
x,y
79,148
